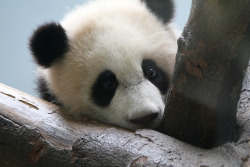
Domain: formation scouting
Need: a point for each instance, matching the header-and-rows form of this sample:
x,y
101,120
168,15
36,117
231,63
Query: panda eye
x,y
151,73
109,81
104,88
155,75
109,84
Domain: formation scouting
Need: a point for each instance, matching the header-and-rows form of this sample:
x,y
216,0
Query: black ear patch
x,y
164,9
48,43
155,75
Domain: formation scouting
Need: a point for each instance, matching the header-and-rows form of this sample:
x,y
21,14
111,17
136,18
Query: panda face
x,y
106,85
113,65
135,101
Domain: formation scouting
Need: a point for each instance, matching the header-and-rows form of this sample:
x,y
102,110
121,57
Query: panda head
x,y
109,60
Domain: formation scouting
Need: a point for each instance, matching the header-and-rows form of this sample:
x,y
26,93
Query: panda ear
x,y
164,9
48,44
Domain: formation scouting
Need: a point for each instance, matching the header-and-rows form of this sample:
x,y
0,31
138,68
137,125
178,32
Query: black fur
x,y
104,89
45,93
164,9
155,75
48,44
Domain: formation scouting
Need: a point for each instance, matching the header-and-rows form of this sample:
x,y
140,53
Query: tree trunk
x,y
34,132
213,54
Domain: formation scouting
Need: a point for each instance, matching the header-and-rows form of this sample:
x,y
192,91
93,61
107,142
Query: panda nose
x,y
144,120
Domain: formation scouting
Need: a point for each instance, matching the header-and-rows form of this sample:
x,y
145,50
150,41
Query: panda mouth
x,y
145,120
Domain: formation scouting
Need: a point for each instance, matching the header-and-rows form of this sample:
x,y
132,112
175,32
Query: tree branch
x,y
34,132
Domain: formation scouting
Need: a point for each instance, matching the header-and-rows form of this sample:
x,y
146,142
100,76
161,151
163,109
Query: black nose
x,y
145,119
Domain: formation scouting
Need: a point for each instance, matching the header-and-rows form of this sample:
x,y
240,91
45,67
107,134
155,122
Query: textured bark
x,y
213,54
34,132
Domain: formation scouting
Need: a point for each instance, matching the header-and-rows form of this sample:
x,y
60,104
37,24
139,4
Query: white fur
x,y
115,35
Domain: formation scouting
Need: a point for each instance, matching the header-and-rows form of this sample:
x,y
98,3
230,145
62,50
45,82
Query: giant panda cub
x,y
108,60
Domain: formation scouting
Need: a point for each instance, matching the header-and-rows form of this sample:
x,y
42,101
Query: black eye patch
x,y
104,88
155,75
